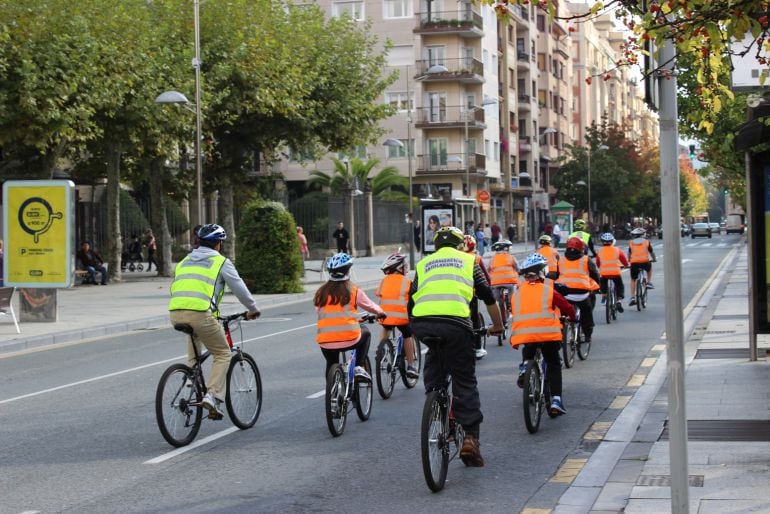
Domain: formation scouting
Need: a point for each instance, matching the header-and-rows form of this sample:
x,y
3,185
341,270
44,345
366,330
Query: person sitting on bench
x,y
92,262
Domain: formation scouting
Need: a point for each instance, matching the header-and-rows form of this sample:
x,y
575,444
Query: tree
x,y
382,183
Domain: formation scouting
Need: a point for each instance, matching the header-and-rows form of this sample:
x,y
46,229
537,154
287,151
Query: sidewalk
x,y
728,411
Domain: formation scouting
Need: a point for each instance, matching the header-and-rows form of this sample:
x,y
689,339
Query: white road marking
x,y
130,370
707,244
686,260
201,442
721,245
316,395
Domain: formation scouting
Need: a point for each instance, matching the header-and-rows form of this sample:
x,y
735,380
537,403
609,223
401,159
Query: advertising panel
x,y
38,223
433,217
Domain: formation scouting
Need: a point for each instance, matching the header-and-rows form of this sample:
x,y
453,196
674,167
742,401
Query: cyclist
x,y
550,254
503,271
579,274
611,260
641,256
580,232
469,246
536,306
441,292
197,289
337,303
393,293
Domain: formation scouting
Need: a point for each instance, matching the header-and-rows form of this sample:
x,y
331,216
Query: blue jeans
x,y
92,273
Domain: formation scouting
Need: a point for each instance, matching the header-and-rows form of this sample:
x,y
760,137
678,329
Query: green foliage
x,y
177,220
132,220
385,184
268,256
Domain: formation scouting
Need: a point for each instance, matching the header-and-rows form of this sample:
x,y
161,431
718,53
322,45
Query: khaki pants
x,y
208,331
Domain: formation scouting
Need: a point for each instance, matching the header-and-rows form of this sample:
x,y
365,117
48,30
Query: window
x,y
354,9
436,107
522,128
471,146
435,55
355,152
541,22
399,101
397,9
541,62
399,152
496,153
470,103
300,155
437,152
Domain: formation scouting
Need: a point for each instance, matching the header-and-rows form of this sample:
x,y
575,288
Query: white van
x,y
734,224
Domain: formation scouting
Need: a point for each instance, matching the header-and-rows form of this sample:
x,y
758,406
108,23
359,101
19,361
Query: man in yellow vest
x,y
536,308
580,232
550,254
440,295
198,287
580,276
393,293
642,256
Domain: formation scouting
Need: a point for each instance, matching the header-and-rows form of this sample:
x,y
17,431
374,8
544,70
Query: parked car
x,y
685,230
714,228
700,230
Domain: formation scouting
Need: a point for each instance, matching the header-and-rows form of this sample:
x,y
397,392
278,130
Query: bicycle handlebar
x,y
234,317
369,318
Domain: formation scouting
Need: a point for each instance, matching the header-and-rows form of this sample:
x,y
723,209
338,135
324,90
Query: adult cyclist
x,y
440,295
469,246
579,231
197,289
642,256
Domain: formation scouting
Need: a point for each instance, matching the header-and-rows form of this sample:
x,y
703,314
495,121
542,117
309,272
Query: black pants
x,y
361,347
476,319
458,358
586,314
551,355
151,259
619,289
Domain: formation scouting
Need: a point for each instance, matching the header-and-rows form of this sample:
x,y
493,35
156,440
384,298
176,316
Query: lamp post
x,y
525,175
590,150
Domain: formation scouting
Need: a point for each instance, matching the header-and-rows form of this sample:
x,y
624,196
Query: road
x,y
78,432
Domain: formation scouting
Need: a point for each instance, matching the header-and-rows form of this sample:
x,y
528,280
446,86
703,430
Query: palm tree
x,y
342,177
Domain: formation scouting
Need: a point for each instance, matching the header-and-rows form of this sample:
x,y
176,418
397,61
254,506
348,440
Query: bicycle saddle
x,y
184,327
432,339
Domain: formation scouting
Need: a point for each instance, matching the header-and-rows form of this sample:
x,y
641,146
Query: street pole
x,y
198,158
669,182
589,186
467,168
409,167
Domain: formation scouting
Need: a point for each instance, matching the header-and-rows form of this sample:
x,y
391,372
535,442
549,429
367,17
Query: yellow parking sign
x,y
38,223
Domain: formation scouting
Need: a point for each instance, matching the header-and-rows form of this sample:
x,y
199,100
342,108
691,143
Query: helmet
x,y
534,266
469,245
579,224
212,232
339,265
575,243
394,262
545,239
607,238
638,231
501,245
448,236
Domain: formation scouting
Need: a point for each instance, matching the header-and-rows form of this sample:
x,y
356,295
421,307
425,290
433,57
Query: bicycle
x,y
180,391
480,322
390,361
503,302
536,391
439,429
343,388
611,302
641,290
570,338
582,346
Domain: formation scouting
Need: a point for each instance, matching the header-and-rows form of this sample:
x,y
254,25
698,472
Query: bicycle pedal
x,y
216,416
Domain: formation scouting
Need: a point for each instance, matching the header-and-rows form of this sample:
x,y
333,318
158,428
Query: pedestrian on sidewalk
x,y
303,249
556,234
92,262
341,236
198,286
495,229
511,232
149,242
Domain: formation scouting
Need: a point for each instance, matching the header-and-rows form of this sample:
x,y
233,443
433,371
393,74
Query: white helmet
x,y
638,231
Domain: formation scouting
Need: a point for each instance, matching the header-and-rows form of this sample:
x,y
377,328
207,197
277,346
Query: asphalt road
x,y
78,431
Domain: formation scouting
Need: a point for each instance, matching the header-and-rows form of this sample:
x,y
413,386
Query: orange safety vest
x,y
640,250
534,318
394,295
574,274
338,323
609,261
552,256
501,270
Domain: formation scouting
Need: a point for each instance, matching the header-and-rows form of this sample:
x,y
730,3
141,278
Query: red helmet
x,y
469,244
575,243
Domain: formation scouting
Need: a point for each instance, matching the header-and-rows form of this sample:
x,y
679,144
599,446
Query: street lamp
x,y
590,150
525,175
174,97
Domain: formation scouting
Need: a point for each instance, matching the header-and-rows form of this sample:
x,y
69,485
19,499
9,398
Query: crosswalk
x,y
703,244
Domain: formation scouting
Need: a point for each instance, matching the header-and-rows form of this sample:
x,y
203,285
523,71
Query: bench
x,y
6,305
81,277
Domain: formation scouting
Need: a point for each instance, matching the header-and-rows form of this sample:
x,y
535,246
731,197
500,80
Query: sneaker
x,y
557,407
212,404
481,352
650,286
604,300
619,306
361,374
520,380
412,372
632,302
470,453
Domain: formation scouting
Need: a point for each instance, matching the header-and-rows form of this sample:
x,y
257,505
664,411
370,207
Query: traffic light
x,y
692,152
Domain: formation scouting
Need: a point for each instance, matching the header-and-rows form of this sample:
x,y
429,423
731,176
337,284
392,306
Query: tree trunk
x,y
228,219
114,240
159,221
51,157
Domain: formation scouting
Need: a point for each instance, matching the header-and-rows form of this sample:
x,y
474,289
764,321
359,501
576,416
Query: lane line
x,y
316,395
137,368
196,444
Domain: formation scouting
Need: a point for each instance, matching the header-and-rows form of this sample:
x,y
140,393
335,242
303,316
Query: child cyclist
x,y
536,308
469,246
393,293
503,270
611,260
337,303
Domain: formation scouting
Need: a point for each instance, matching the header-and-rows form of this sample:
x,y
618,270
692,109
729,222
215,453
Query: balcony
x,y
522,60
525,144
449,117
525,102
438,165
464,23
466,70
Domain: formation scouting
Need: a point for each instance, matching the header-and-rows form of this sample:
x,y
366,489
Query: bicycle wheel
x,y
336,403
502,304
583,347
411,382
177,405
638,293
547,398
362,394
244,391
384,363
609,303
567,348
532,397
644,294
434,440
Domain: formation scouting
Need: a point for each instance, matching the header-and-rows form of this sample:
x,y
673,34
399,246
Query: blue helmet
x,y
535,266
212,232
339,265
607,237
